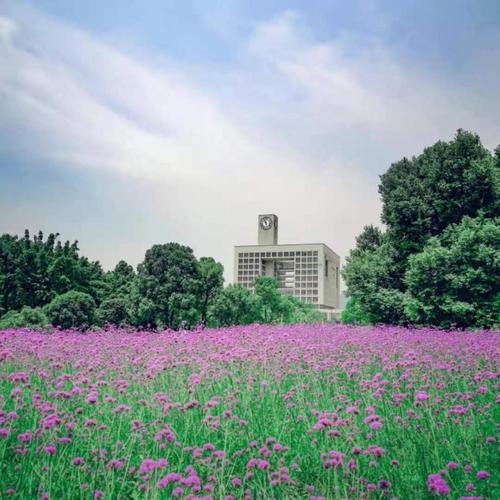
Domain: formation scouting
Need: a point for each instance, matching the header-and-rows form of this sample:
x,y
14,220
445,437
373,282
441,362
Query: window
x,y
326,268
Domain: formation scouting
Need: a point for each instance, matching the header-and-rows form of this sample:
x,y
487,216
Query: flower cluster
x,y
303,411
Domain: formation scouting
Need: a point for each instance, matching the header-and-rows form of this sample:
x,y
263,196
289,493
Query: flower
x,y
50,449
482,474
437,484
421,396
25,436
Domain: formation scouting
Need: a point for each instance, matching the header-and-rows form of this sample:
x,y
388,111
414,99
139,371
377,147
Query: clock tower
x,y
268,229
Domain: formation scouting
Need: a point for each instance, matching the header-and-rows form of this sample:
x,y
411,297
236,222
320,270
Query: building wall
x,y
300,269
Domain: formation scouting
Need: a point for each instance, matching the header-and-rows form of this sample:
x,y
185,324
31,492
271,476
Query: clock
x,y
266,223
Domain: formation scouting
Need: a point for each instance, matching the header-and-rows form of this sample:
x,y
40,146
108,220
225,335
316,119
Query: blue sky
x,y
124,124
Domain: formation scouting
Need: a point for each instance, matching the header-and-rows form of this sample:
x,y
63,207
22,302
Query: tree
x,y
421,197
168,273
234,305
369,240
269,297
211,283
449,180
293,310
454,281
28,317
373,284
113,311
71,310
355,314
33,270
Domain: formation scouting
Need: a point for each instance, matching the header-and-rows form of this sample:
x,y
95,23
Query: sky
x,y
124,124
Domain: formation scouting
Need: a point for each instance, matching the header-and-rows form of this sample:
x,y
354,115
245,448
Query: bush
x,y
454,282
27,317
72,310
235,305
113,311
355,314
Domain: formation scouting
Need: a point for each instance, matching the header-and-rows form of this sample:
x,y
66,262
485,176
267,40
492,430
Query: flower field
x,y
307,411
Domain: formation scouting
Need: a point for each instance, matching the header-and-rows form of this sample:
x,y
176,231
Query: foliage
x,y
269,299
72,310
211,284
113,311
28,317
449,180
234,305
169,277
454,281
421,198
293,311
33,270
369,276
237,305
355,314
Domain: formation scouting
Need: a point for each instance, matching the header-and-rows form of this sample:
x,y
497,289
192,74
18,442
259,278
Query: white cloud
x,y
298,127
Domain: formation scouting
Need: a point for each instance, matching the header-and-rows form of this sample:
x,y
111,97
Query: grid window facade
x,y
297,272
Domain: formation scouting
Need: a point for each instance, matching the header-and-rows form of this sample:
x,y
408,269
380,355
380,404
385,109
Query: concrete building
x,y
308,271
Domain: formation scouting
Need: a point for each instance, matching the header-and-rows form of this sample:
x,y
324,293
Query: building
x,y
308,271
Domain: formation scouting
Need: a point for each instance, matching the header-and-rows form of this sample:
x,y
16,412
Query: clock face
x,y
266,223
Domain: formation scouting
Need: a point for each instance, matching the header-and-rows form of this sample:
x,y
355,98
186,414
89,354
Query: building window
x,y
326,268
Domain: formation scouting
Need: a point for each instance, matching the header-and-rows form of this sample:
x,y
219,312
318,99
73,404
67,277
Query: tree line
x,y
44,282
438,260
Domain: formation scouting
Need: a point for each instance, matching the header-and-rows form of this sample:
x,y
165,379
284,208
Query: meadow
x,y
306,411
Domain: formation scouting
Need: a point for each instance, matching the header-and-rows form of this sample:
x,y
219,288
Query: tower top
x,y
268,229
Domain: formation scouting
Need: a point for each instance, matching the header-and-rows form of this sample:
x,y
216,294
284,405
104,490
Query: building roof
x,y
289,245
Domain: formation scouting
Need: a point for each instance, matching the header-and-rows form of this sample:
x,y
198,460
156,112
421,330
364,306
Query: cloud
x,y
297,127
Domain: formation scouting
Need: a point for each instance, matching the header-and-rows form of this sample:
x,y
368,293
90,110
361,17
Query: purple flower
x,y
482,474
437,484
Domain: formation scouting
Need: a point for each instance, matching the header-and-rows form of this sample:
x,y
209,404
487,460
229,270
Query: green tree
x,y
33,270
71,310
449,180
210,285
114,311
169,279
234,305
293,310
269,297
421,197
355,314
454,281
28,317
373,284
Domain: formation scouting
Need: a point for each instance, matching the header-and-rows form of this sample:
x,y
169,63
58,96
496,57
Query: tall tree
x,y
421,197
449,180
211,283
169,278
454,281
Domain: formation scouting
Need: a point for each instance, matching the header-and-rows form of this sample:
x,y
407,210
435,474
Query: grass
x,y
232,398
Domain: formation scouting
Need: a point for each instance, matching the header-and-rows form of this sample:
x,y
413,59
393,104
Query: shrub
x,y
113,311
71,310
454,282
355,314
27,317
